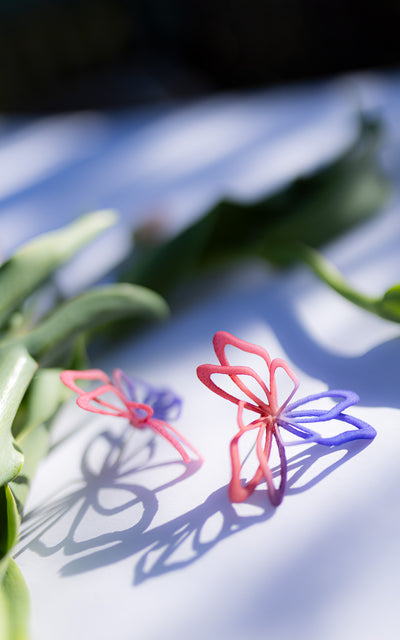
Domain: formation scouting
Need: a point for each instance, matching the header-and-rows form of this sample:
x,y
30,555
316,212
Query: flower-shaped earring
x,y
272,416
152,411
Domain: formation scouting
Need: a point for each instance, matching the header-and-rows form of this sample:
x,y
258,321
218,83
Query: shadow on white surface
x,y
300,472
170,546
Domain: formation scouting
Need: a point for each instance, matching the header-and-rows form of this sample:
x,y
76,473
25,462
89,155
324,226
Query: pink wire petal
x,y
86,400
236,491
205,371
118,376
69,376
221,340
246,427
164,429
278,363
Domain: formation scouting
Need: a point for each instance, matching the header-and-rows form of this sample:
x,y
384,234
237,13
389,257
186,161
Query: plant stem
x,y
333,278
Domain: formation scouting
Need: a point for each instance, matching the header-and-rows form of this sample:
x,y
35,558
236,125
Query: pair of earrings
x,y
146,407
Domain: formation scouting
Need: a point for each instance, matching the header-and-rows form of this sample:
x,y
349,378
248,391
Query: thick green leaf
x,y
389,305
14,604
9,521
91,309
35,446
44,397
36,261
311,210
45,394
16,371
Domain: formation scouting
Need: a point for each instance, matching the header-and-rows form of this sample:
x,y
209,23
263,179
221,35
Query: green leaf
x,y
16,371
9,521
44,397
14,604
29,267
389,305
312,210
45,394
35,446
91,309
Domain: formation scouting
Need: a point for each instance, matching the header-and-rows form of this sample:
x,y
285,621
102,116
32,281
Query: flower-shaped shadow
x,y
114,475
301,464
164,543
156,550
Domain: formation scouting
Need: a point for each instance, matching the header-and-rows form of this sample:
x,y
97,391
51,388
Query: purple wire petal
x,y
294,421
363,430
316,415
127,385
303,432
165,404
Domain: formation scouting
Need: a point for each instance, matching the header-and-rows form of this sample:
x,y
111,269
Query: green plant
x,y
31,352
309,212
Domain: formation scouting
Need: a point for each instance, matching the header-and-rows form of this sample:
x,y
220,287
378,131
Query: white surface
x,y
126,548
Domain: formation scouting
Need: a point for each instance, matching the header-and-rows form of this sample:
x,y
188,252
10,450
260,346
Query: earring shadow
x,y
301,464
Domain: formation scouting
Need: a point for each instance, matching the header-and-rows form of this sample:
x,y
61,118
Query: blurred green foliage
x,y
30,387
311,211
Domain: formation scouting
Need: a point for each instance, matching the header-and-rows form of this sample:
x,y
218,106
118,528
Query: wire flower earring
x,y
293,417
154,410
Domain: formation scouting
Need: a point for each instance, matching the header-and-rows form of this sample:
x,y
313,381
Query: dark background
x,y
61,55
